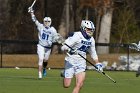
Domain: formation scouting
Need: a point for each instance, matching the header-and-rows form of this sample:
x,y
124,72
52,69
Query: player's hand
x,y
72,51
99,67
30,10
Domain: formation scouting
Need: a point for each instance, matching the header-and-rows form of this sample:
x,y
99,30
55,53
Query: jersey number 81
x,y
45,36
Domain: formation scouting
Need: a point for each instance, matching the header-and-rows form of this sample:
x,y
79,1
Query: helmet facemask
x,y
88,27
47,21
89,31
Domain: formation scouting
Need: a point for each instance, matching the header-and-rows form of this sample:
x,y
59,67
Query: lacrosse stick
x,y
92,64
30,9
135,46
61,40
33,4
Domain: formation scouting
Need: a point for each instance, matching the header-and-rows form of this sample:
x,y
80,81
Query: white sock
x,y
40,74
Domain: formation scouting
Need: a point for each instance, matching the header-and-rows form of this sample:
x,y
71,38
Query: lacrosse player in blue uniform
x,y
46,33
81,42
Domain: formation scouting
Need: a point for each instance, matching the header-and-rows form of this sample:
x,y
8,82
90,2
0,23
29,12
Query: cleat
x,y
44,72
39,78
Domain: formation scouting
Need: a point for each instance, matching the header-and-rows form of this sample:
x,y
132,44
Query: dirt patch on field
x,y
55,61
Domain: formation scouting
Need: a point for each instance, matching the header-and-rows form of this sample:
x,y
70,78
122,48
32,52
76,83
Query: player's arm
x,y
92,51
70,41
31,11
94,56
56,35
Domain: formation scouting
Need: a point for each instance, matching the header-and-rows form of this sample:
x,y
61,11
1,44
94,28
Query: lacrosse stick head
x,y
59,39
134,46
139,44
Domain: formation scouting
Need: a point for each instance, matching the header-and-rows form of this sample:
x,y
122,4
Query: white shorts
x,y
73,69
43,53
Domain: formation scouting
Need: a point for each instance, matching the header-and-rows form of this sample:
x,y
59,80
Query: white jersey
x,y
45,35
82,45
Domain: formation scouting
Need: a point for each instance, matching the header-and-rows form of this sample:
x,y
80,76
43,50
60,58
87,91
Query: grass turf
x,y
25,80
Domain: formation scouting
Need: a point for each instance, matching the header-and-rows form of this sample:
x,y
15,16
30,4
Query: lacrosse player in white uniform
x,y
46,34
81,42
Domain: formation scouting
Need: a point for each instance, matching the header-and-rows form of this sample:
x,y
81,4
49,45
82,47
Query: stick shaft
x,y
108,77
92,65
33,3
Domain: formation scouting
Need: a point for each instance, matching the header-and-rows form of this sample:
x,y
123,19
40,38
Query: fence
x,y
26,50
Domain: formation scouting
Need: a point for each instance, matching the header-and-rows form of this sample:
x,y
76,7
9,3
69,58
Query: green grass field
x,y
25,80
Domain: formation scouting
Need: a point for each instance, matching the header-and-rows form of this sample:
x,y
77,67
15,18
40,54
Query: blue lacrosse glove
x,y
99,67
72,51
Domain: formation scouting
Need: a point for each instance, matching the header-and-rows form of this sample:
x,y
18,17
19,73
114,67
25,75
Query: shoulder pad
x,y
70,34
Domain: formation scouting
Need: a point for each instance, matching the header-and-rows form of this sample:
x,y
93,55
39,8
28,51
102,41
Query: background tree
x,y
125,26
102,18
105,26
16,23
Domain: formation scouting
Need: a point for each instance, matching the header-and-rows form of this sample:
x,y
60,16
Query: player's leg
x,y
45,62
68,74
40,52
63,71
79,74
39,71
80,77
66,82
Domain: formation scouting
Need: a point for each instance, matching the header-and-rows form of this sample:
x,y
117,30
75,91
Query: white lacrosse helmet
x,y
88,27
47,21
87,24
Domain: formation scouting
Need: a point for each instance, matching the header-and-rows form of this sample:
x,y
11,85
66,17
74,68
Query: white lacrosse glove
x,y
30,10
99,67
72,51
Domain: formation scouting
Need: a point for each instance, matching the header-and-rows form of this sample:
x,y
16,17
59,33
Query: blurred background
x,y
117,24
